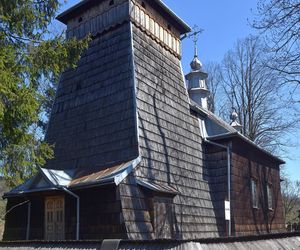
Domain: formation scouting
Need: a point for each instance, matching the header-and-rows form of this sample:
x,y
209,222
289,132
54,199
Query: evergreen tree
x,y
31,60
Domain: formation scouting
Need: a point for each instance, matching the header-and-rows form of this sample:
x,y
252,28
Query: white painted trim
x,y
184,82
119,178
134,89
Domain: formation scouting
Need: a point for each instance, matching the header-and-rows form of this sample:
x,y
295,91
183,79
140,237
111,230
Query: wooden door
x,y
55,218
163,218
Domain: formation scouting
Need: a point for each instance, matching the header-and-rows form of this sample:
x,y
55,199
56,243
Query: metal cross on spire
x,y
195,34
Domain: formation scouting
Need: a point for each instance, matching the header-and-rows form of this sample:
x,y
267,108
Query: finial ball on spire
x,y
196,64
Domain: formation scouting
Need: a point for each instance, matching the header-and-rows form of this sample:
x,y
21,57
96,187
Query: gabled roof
x,y
163,9
214,124
217,129
50,179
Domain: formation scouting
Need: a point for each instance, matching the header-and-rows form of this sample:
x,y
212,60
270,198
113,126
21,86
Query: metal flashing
x,y
59,179
13,193
231,132
185,27
245,139
211,116
156,187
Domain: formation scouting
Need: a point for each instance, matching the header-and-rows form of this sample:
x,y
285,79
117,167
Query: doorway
x,y
55,218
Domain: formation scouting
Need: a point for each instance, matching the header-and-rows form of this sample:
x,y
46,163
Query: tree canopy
x,y
251,87
31,60
279,21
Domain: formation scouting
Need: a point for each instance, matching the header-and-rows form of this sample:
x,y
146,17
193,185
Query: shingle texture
x,y
169,138
93,118
127,100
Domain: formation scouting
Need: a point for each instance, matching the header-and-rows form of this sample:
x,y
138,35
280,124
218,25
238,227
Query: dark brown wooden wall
x,y
101,216
16,220
37,218
247,164
215,167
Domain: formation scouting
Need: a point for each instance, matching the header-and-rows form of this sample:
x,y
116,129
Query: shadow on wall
x,y
254,211
215,173
177,224
163,146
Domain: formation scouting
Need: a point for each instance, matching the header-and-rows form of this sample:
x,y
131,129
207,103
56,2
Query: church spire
x,y
197,88
196,63
234,120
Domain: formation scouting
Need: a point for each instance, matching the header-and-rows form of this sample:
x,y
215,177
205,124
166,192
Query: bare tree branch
x,y
251,86
279,20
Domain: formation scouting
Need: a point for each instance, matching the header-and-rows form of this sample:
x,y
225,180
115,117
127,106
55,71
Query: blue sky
x,y
224,22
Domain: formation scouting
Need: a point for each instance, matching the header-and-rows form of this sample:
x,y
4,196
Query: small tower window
x,y
169,27
112,2
80,19
143,5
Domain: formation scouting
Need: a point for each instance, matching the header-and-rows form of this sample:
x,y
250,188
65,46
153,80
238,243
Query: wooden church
x,y
138,155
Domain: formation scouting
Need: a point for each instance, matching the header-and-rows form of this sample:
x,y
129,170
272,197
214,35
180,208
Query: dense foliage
x,y
31,60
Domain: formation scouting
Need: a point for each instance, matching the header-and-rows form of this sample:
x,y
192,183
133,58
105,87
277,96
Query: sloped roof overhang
x,y
58,179
162,8
246,140
232,133
157,187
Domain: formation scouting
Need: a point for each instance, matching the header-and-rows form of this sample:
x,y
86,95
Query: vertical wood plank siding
x,y
150,22
247,164
98,19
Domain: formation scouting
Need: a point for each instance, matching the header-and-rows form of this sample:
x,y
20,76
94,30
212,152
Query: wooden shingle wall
x,y
169,139
93,121
216,174
136,210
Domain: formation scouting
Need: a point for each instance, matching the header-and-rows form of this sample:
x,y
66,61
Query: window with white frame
x,y
254,193
270,196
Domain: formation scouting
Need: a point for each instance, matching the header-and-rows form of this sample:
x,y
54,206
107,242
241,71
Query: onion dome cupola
x,y
196,79
234,120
